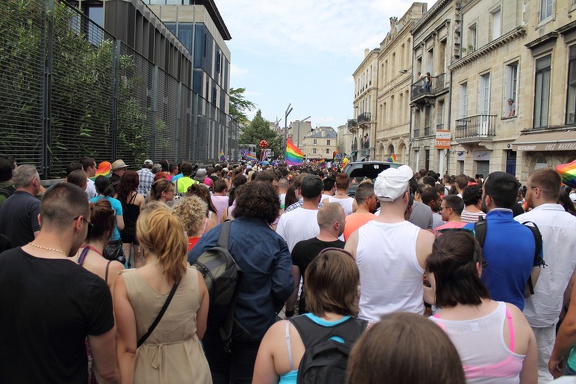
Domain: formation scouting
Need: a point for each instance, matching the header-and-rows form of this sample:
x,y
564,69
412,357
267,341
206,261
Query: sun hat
x,y
200,175
118,164
392,182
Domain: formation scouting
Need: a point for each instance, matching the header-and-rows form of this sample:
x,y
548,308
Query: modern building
x,y
321,144
393,85
363,126
436,44
186,39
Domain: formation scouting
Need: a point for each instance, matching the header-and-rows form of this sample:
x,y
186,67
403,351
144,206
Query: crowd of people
x,y
399,273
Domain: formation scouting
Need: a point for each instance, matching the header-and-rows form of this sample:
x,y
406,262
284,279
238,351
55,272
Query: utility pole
x,y
288,110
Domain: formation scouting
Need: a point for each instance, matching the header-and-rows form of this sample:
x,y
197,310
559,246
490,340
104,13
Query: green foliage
x,y
259,129
239,106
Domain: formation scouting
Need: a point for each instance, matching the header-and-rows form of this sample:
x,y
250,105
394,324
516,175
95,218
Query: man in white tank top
x,y
391,252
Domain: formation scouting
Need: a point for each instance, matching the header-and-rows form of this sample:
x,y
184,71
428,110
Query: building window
x,y
463,100
484,95
327,151
315,141
495,18
327,142
511,91
546,9
472,38
571,97
542,91
314,150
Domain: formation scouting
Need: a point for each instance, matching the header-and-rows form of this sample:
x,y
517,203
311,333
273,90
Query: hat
x,y
148,162
103,169
225,170
392,182
573,197
118,164
200,175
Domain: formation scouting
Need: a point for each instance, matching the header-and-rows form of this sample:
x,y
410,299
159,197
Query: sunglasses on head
x,y
469,231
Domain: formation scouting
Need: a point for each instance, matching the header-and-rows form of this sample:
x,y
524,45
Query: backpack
x,y
481,227
5,193
223,278
325,360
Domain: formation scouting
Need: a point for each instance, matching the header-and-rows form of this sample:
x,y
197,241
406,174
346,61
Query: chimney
x,y
366,52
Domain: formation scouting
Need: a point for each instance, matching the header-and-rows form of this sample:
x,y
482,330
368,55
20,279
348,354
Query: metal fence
x,y
68,89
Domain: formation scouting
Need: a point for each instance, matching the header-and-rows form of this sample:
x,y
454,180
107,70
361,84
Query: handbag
x,y
159,316
114,251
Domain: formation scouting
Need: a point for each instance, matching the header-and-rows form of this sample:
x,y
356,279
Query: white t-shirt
x,y
90,189
297,225
346,203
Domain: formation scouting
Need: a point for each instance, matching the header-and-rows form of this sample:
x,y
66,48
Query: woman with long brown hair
x,y
172,353
132,202
162,190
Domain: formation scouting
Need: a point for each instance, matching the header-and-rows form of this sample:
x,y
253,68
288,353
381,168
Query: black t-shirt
x,y
302,255
47,308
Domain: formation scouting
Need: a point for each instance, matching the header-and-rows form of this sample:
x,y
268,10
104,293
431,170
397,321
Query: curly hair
x,y
257,199
202,191
191,211
471,195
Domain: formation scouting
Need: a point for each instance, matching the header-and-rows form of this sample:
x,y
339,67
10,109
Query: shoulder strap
x,y
313,334
480,229
131,201
224,237
159,317
538,260
106,273
82,256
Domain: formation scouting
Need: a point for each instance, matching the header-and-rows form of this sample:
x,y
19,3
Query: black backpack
x,y
223,278
325,360
5,193
481,227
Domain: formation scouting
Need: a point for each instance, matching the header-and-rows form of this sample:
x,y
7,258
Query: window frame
x,y
540,119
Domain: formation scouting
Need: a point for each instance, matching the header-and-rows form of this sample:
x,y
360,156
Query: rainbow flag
x,y
294,155
568,173
250,157
221,156
392,159
322,163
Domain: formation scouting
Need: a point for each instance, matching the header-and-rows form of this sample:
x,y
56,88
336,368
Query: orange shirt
x,y
356,220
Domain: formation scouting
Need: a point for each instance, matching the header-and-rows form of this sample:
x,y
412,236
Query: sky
x,y
304,52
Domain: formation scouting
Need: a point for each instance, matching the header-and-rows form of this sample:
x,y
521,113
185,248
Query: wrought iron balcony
x,y
352,125
365,117
422,88
476,128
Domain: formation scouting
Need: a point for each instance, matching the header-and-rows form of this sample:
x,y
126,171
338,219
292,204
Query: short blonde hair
x,y
161,233
191,212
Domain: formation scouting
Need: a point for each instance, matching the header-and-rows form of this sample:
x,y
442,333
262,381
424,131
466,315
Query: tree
x,y
259,129
239,106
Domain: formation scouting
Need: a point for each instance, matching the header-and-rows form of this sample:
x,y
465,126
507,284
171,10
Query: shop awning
x,y
546,141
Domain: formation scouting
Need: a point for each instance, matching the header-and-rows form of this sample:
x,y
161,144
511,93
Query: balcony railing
x,y
477,126
424,88
364,117
439,126
426,131
352,123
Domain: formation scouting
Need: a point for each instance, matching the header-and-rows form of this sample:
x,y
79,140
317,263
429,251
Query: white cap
x,y
392,182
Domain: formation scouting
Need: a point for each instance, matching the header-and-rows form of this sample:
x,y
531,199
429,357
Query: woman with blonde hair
x,y
331,284
170,352
162,190
191,211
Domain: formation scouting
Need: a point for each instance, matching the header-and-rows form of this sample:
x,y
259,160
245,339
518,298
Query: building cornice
x,y
428,15
210,5
542,39
502,40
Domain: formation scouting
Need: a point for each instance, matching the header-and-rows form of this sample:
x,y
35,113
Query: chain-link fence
x,y
68,89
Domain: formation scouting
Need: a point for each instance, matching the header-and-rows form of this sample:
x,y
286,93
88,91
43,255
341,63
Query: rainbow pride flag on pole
x,y
392,159
568,173
221,156
294,155
251,157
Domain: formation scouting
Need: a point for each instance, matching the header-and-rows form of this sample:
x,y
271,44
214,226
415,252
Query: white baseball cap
x,y
392,182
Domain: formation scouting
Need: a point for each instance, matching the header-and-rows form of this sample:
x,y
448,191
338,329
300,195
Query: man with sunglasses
x,y
391,252
509,246
51,305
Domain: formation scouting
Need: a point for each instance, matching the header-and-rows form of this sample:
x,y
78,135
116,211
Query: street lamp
x,y
288,110
298,123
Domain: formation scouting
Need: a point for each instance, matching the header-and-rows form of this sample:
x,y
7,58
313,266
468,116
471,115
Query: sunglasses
x,y
469,231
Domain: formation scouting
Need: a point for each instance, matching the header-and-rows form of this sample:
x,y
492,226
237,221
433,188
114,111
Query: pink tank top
x,y
480,343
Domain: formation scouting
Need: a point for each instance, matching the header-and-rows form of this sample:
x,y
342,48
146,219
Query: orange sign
x,y
443,138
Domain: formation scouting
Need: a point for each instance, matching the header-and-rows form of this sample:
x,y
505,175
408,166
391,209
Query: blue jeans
x,y
236,367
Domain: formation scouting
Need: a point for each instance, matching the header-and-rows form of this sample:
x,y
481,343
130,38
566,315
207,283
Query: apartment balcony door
x,y
483,104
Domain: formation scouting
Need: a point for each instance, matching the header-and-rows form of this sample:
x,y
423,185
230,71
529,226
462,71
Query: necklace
x,y
48,249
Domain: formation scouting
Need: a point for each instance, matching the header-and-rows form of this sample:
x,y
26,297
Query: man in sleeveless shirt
x,y
391,252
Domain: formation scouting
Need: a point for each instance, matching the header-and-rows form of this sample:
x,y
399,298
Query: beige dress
x,y
172,353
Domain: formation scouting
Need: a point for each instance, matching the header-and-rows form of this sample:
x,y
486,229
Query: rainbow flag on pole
x,y
568,173
392,159
294,155
250,157
221,156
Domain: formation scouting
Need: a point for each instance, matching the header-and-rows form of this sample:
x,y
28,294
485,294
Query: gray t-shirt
x,y
421,215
